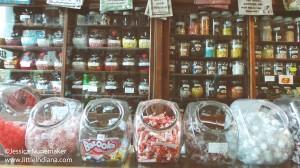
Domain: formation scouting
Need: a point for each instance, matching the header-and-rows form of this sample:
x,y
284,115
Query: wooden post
x,y
252,59
64,51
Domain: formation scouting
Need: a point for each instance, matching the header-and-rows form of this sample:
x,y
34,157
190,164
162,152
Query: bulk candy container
x,y
205,133
158,131
263,134
53,126
105,132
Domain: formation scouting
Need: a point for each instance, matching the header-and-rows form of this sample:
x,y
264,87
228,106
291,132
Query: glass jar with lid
x,y
281,52
185,90
216,23
210,50
144,40
267,69
105,19
197,67
80,37
222,68
129,40
144,64
140,17
204,23
172,67
293,52
268,52
28,61
129,86
279,68
278,29
143,87
94,85
92,17
196,48
222,50
180,28
227,23
289,29
197,89
210,90
76,87
11,61
116,18
297,22
58,39
291,68
128,19
97,38
111,62
14,39
185,67
211,68
78,63
111,85
94,63
194,27
26,16
236,50
105,132
184,50
239,24
266,28
222,90
238,68
129,62
42,84
43,63
114,38
258,51
237,90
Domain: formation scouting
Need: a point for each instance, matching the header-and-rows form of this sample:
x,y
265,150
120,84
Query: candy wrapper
x,y
263,134
205,138
158,131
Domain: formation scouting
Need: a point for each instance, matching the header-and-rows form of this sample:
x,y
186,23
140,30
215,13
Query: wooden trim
x,y
252,59
64,52
166,59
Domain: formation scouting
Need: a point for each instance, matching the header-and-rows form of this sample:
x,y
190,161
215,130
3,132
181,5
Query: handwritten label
x,y
269,78
255,7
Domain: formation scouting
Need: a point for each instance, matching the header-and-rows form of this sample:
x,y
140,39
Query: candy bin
x,y
53,126
105,132
158,132
263,134
205,133
16,102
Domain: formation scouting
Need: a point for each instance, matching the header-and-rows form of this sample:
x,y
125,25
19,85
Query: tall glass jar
x,y
227,24
185,67
196,48
210,90
289,29
239,25
158,131
222,50
185,90
222,90
236,50
278,29
210,50
267,69
197,67
184,50
197,89
211,68
266,29
281,52
216,23
238,68
268,52
194,24
297,21
293,52
222,68
291,69
279,68
105,132
204,23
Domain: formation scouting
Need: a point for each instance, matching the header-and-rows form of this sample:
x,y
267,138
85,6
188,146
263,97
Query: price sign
x,y
269,78
286,79
255,7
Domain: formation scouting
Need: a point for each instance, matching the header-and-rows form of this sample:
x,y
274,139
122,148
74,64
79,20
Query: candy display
x,y
205,133
105,132
157,134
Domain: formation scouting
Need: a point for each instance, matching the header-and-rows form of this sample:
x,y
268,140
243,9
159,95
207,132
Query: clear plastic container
x,y
158,131
105,132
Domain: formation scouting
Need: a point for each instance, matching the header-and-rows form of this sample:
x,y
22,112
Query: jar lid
x,y
288,20
203,13
215,14
277,19
226,14
180,23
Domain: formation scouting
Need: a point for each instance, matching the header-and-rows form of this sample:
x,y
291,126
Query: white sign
x,y
286,79
76,4
159,8
255,7
291,5
269,78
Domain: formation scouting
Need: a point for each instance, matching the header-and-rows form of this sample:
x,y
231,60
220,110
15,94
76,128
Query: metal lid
x,y
215,14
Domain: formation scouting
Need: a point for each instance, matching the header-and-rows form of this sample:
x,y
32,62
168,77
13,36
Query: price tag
x,y
144,64
92,88
110,87
269,78
100,136
128,64
129,90
286,80
25,64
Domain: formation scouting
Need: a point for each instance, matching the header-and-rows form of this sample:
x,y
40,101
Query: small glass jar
x,y
184,50
128,19
116,18
111,85
114,38
197,89
129,86
267,69
211,68
236,48
238,68
291,69
97,38
289,29
222,68
216,23
278,28
222,90
76,86
237,90
198,67
204,23
144,40
266,29
196,48
144,63
293,52
80,39
194,26
222,50
104,19
11,61
14,39
210,90
210,50
268,52
78,63
281,52
111,62
180,28
279,68
227,24
129,62
42,84
140,17
94,85
129,40
239,25
172,66
28,62
297,21
185,90
143,87
58,39
42,63
258,51
94,63
26,16
185,67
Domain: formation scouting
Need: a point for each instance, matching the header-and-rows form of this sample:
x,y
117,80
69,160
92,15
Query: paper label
x,y
100,136
144,64
25,64
217,147
128,63
129,90
110,87
269,78
286,79
111,64
92,88
255,7
93,64
100,147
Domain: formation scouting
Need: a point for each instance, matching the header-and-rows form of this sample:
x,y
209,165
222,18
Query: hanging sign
x,y
286,79
159,8
115,5
255,7
291,5
26,2
75,4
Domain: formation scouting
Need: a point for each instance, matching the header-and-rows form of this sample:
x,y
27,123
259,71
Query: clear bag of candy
x,y
53,127
157,132
205,133
263,134
105,132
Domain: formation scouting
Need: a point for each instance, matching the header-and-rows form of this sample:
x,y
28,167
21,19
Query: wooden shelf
x,y
207,76
113,26
112,49
29,71
277,43
188,100
201,58
202,37
277,60
111,96
38,26
111,72
33,48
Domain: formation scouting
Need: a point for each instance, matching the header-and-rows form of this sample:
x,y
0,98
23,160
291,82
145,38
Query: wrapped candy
x,y
105,132
158,131
263,134
53,127
205,138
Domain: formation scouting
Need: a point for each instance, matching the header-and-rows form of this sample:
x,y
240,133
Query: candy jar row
x,y
50,16
277,68
277,52
274,90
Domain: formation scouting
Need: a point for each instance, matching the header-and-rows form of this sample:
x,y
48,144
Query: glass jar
x,y
293,52
227,23
197,89
144,40
240,25
114,38
129,40
278,29
184,50
29,38
128,19
42,63
288,90
54,121
26,16
281,52
144,63
197,67
222,50
210,90
267,69
129,86
43,39
258,51
92,17
78,63
185,90
266,29
291,69
94,85
180,28
97,38
216,23
238,68
211,68
57,63
194,27
111,62
205,133
236,48
105,132
185,67
279,68
196,48
104,19
268,52
94,63
76,86
58,39
158,131
129,62
222,68
204,23
11,61
143,87
14,39
210,50
116,18
42,84
80,39
222,90
111,85
237,90
28,62
297,21
140,17
172,67
289,29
